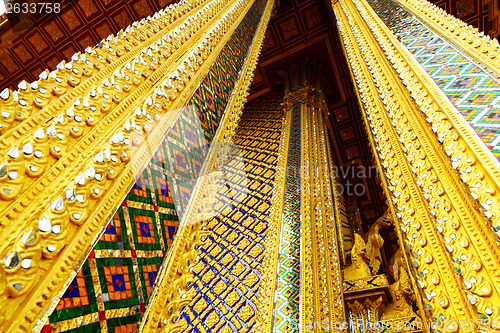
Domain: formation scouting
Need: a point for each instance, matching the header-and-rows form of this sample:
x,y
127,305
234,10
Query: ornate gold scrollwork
x,y
359,268
374,241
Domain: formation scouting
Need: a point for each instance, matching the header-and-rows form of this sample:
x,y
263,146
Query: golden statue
x,y
402,296
374,242
359,269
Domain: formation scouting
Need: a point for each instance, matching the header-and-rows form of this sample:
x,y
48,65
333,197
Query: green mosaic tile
x,y
474,93
287,295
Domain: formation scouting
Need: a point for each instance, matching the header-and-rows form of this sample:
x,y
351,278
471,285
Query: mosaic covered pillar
x,y
442,179
243,260
308,295
102,156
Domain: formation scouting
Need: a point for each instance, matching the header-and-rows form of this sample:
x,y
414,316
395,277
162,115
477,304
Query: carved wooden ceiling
x,y
29,43
302,29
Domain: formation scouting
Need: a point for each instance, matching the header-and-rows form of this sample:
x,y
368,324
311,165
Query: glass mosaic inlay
x,y
110,291
287,296
474,93
226,278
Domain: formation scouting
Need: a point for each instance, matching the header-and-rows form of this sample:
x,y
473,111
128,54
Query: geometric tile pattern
x,y
474,93
112,289
287,295
186,144
226,277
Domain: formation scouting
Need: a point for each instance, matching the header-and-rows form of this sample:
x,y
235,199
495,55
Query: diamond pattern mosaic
x,y
227,276
474,93
111,290
287,296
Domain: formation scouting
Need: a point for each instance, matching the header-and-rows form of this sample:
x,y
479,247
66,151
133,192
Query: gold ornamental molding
x,y
62,181
372,282
427,156
267,288
171,297
321,276
476,44
33,105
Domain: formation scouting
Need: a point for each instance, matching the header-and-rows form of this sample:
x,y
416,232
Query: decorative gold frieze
x,y
367,283
321,277
112,59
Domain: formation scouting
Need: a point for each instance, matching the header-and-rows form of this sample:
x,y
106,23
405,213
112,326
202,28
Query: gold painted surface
x,y
359,269
91,174
44,99
373,302
374,242
216,277
463,225
448,236
367,283
368,92
264,319
468,155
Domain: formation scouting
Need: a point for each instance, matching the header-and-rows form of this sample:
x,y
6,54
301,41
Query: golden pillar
x,y
75,140
442,181
237,264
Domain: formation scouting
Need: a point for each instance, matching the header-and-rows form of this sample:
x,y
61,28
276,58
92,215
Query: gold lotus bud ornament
x,y
53,228
96,104
77,199
74,74
115,164
61,79
12,174
76,117
100,167
24,98
36,154
7,110
58,134
45,88
20,264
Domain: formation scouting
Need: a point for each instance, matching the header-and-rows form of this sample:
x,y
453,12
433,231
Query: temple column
x,y
309,211
321,278
76,141
443,182
259,248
